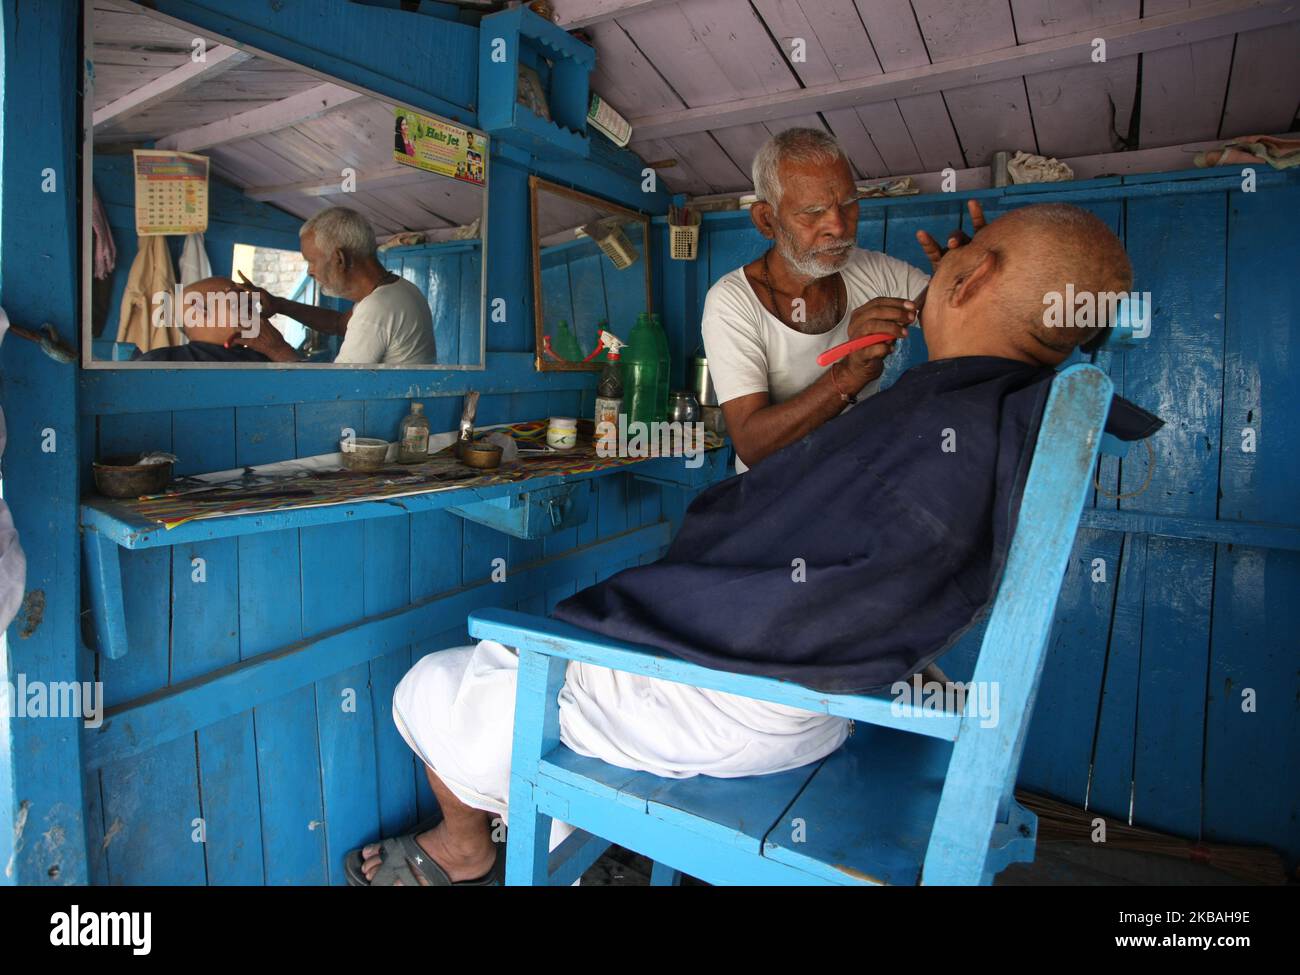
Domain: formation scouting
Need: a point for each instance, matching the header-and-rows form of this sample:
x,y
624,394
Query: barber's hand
x,y
269,304
958,237
888,315
268,341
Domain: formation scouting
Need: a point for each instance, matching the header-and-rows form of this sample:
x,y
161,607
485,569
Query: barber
x,y
765,323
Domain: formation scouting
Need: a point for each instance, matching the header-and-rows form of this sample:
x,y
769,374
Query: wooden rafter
x,y
282,114
217,59
1169,30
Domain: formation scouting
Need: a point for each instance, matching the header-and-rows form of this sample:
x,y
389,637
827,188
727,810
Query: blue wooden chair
x,y
913,796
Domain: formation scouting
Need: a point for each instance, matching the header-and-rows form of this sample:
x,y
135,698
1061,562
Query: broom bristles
x,y
1061,821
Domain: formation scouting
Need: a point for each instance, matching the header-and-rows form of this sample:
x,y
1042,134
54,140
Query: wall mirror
x,y
591,271
184,130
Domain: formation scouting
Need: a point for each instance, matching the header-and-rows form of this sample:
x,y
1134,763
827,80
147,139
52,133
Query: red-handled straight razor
x,y
838,352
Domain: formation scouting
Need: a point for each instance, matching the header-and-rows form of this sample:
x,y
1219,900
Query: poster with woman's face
x,y
436,146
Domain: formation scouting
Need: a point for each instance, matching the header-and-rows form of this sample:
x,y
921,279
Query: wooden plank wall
x,y
1141,707
286,788
451,277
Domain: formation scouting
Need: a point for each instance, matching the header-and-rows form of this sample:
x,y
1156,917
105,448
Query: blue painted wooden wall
x,y
450,275
1141,706
286,787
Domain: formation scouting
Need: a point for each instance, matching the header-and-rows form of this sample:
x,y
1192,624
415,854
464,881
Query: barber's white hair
x,y
342,228
792,145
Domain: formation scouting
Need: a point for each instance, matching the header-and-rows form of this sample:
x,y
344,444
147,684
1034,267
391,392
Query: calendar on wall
x,y
171,192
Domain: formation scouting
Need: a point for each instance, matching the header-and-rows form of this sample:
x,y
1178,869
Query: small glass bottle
x,y
413,436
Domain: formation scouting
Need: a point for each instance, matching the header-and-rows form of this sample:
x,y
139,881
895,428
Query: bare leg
x,y
461,844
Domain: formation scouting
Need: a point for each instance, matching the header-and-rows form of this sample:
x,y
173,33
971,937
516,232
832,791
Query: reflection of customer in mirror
x,y
389,323
402,137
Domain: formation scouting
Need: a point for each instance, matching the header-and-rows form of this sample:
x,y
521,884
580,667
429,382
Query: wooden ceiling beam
x,y
282,114
572,14
1174,29
218,59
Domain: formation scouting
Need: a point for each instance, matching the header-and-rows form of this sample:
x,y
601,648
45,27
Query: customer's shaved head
x,y
1047,248
1018,266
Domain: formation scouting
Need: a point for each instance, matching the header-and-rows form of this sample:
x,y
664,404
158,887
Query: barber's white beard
x,y
331,286
806,263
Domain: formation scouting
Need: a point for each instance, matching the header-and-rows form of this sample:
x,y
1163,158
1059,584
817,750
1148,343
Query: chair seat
x,y
860,816
867,814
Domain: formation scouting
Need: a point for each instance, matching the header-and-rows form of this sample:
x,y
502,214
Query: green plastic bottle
x,y
641,373
566,343
665,368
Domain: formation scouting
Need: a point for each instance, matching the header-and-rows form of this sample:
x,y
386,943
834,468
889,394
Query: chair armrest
x,y
553,638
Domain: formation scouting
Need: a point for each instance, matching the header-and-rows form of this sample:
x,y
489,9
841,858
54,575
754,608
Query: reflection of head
x,y
804,177
333,242
990,296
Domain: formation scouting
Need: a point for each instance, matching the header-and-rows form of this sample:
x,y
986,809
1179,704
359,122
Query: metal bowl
x,y
363,453
484,456
122,477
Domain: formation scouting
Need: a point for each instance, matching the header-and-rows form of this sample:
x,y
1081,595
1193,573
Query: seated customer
x,y
216,315
847,560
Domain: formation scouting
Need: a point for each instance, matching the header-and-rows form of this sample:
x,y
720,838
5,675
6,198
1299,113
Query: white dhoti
x,y
456,710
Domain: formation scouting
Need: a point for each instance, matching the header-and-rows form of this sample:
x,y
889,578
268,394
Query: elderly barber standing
x,y
765,323
390,322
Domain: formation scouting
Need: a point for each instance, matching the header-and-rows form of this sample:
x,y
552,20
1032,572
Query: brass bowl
x,y
122,477
484,456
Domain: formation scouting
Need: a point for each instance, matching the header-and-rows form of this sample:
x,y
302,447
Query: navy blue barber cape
x,y
897,515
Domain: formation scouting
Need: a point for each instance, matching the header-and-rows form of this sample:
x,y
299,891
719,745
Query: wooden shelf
x,y
107,526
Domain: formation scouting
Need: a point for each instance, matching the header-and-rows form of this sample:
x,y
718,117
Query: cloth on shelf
x,y
194,260
151,273
897,187
1025,167
13,562
105,249
1251,149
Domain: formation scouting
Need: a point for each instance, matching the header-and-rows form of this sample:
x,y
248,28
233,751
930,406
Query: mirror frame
x,y
536,183
86,329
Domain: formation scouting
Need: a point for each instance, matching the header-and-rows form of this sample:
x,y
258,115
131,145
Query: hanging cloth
x,y
151,273
105,249
194,261
13,563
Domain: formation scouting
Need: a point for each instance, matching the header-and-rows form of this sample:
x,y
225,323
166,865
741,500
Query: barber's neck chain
x,y
776,309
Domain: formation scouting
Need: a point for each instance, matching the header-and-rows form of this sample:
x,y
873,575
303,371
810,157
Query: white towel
x,y
194,260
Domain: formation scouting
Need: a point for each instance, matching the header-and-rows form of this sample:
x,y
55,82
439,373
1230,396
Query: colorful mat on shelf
x,y
258,492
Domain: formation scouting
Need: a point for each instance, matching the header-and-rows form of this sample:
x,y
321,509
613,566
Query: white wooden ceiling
x,y
279,134
686,73
909,87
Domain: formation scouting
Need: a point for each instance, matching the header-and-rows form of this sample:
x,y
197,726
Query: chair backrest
x,y
986,754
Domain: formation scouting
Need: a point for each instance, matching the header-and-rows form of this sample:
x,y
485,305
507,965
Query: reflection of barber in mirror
x,y
389,323
765,323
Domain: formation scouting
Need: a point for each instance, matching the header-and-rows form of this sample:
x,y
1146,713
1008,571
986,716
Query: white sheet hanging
x,y
194,261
